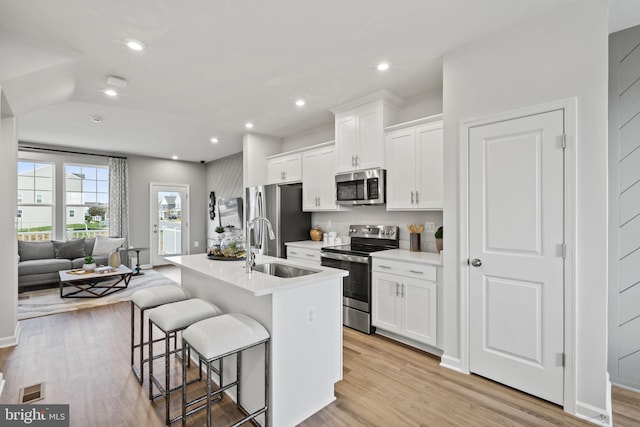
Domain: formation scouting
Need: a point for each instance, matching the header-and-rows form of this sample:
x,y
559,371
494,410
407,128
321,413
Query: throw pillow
x,y
70,249
106,245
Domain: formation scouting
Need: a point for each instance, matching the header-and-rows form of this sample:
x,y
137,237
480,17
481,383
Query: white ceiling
x,y
211,65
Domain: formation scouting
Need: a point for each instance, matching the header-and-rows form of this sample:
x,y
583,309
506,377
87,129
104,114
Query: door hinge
x,y
561,359
564,250
563,138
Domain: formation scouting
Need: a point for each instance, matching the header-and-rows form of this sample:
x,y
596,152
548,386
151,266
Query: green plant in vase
x,y
89,264
438,236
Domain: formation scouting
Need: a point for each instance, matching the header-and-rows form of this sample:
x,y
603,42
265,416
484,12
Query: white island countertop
x,y
432,258
254,283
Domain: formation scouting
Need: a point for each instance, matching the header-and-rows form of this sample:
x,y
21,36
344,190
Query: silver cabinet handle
x,y
417,200
310,255
357,160
402,295
476,262
416,272
397,289
353,161
293,253
412,197
384,266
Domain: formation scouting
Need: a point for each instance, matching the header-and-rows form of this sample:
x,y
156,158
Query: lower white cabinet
x,y
405,304
304,256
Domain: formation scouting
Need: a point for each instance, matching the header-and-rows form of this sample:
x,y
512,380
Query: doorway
x,y
517,239
169,210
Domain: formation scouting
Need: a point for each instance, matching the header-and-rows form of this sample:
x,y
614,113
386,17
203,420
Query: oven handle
x,y
345,257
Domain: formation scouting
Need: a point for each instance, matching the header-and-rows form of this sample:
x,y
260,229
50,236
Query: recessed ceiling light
x,y
300,102
110,92
214,140
95,119
248,125
174,157
134,45
383,66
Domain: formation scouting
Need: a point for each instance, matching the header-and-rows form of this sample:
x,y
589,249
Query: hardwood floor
x,y
83,357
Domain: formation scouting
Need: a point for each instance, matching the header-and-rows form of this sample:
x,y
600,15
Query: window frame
x,y
20,199
80,207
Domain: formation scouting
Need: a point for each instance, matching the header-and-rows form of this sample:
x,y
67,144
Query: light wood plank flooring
x,y
83,357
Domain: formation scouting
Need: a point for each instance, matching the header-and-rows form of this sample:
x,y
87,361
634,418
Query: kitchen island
x,y
302,314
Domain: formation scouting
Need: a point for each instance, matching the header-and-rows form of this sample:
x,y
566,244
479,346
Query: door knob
x,y
476,262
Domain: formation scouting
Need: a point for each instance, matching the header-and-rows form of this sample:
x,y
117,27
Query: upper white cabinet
x,y
284,168
360,131
318,180
415,165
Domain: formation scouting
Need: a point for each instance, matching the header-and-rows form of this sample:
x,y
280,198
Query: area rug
x,y
47,301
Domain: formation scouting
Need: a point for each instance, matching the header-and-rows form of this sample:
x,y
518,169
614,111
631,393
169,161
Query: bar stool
x,y
215,338
170,319
146,299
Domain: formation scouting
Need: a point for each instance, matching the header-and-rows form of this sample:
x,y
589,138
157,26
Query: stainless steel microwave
x,y
365,187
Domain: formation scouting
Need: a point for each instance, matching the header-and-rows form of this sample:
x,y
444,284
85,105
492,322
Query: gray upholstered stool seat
x,y
170,319
212,340
145,299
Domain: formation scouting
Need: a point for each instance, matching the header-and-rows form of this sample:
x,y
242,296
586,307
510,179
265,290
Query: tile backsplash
x,y
378,215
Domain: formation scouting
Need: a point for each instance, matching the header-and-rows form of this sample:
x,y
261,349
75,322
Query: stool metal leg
x,y
167,378
151,359
266,383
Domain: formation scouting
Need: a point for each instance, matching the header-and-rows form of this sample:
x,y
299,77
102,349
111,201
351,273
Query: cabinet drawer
x,y
305,254
409,269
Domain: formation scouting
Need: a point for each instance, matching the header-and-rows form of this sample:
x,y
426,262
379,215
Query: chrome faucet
x,y
250,258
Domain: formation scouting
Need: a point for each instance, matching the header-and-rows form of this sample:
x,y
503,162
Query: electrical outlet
x,y
311,314
196,244
430,227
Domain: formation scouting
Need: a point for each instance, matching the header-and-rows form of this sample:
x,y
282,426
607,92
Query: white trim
x,y
186,215
593,414
12,340
569,106
2,381
452,363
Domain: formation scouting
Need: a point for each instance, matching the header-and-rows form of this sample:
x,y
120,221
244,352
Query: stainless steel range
x,y
354,258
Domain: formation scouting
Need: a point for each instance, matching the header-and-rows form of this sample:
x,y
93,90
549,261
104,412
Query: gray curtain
x,y
119,198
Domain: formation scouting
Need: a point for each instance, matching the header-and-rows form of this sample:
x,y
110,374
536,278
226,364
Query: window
x,y
35,200
86,200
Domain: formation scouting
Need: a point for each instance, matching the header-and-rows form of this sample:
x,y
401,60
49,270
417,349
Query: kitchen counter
x,y
307,244
233,273
304,318
408,256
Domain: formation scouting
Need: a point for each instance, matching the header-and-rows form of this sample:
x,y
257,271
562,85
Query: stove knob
x,y
392,232
387,232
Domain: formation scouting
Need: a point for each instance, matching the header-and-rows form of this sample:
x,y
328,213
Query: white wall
x,y
255,148
8,236
422,105
142,171
309,137
558,55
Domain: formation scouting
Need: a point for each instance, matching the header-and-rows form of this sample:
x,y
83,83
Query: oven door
x,y
356,288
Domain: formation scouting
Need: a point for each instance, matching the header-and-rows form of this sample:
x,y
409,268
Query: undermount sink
x,y
283,270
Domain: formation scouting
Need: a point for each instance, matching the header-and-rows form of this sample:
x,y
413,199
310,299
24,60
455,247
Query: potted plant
x,y
89,265
438,236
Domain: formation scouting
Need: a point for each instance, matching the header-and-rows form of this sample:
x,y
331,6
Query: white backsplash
x,y
378,215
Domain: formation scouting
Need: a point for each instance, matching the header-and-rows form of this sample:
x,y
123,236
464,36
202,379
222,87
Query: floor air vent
x,y
32,393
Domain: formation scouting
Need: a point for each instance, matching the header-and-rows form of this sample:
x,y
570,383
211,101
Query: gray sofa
x,y
39,262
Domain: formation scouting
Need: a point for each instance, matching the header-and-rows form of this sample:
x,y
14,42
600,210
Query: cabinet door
x,y
385,307
430,178
292,168
327,180
275,168
370,153
419,301
346,142
311,180
401,170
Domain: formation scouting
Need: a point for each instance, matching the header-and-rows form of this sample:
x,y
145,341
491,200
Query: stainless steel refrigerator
x,y
282,205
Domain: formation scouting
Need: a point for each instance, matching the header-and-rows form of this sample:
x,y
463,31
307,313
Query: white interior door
x,y
169,210
516,237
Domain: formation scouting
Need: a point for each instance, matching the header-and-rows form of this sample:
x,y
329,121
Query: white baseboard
x,y
1,383
595,415
424,347
11,341
452,363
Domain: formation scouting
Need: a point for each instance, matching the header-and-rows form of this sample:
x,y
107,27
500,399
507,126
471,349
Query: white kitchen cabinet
x,y
359,131
284,169
405,300
318,180
415,165
304,256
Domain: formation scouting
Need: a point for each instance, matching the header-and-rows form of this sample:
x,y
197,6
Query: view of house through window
x,y
86,201
35,200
